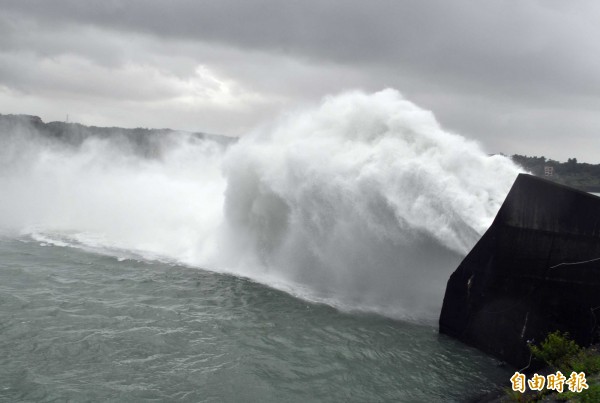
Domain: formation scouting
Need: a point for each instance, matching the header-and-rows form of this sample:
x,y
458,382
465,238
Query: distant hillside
x,y
142,141
581,176
147,142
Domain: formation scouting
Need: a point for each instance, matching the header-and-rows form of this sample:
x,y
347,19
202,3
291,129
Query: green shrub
x,y
591,395
587,361
563,354
557,350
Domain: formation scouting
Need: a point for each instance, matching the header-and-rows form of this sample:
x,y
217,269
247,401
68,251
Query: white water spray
x,y
363,203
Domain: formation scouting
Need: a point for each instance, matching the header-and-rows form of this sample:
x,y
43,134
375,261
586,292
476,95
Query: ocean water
x,y
305,262
79,326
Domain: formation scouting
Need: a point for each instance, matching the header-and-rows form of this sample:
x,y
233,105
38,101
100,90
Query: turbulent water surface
x,y
78,326
362,204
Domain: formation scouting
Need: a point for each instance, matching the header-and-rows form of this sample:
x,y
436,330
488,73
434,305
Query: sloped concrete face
x,y
535,270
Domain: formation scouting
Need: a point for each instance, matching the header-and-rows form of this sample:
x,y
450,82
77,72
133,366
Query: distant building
x,y
548,171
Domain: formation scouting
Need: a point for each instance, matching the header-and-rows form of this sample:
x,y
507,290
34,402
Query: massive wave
x,y
363,202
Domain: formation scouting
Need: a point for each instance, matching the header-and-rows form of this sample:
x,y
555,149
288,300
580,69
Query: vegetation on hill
x,y
581,176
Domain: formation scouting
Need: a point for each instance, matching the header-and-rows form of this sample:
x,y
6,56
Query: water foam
x,y
363,202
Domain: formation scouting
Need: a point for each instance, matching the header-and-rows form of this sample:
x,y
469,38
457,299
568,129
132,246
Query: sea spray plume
x,y
108,193
364,201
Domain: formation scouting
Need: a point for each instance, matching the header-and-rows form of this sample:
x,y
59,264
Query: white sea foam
x,y
363,202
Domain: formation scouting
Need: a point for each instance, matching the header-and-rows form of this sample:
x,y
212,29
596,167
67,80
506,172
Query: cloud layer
x,y
520,77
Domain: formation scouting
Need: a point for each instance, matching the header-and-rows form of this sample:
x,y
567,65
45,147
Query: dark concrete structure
x,y
535,270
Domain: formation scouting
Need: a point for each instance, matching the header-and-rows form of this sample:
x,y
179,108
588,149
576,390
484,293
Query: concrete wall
x,y
519,282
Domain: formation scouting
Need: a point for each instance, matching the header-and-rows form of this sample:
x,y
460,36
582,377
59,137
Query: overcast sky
x,y
520,76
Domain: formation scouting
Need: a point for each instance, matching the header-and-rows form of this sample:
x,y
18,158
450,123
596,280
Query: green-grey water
x,y
77,326
364,203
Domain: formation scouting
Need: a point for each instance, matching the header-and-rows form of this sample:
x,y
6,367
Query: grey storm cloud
x,y
501,41
519,76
